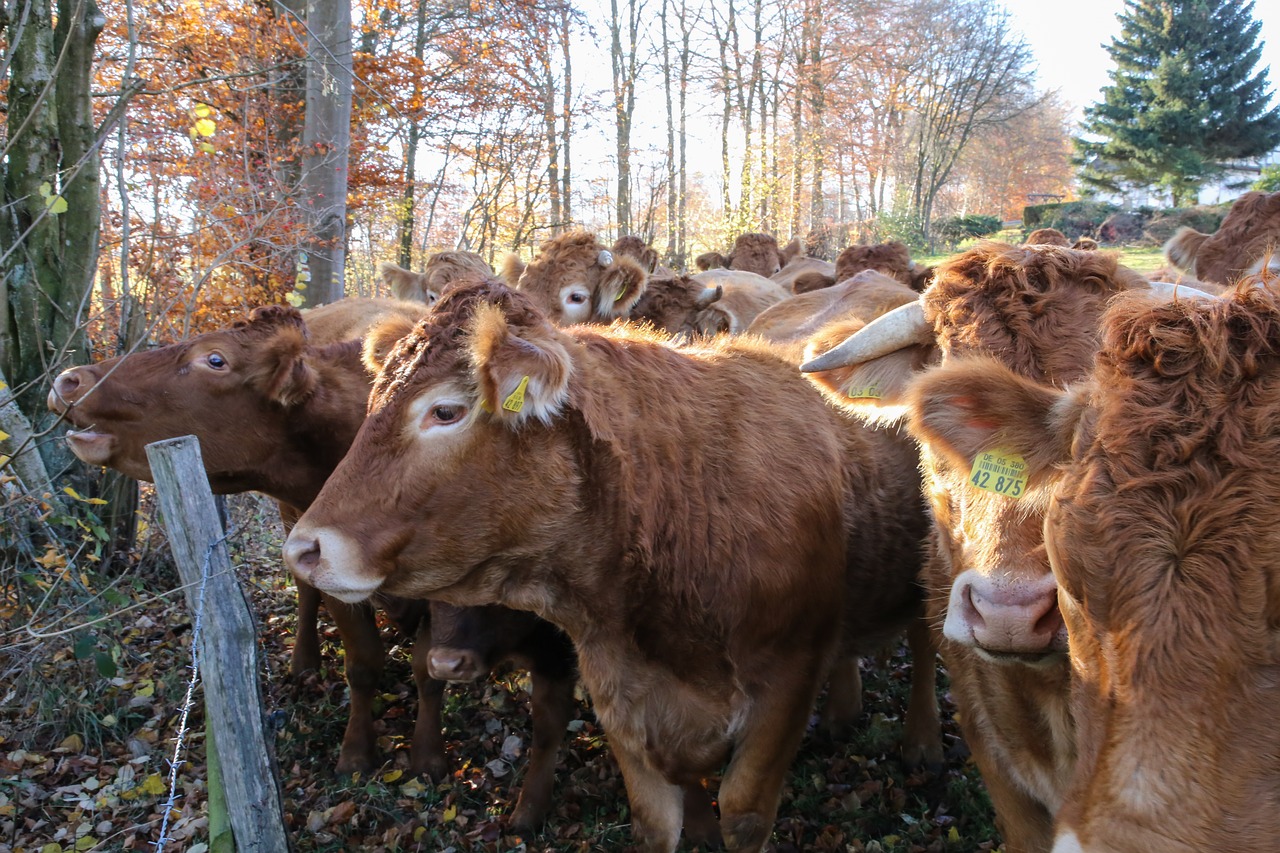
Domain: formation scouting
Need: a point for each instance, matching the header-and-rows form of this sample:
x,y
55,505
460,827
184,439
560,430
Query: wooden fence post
x,y
228,645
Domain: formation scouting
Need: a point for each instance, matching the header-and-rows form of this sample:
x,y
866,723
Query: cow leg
x,y
426,755
922,740
700,824
1024,823
655,803
753,781
844,695
306,642
552,706
362,659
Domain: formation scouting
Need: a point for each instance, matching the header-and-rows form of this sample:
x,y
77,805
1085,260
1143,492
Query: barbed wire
x,y
189,700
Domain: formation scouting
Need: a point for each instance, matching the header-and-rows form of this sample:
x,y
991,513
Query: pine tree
x,y
1184,98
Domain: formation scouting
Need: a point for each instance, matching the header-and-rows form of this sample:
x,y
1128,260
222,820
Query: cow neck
x,y
318,431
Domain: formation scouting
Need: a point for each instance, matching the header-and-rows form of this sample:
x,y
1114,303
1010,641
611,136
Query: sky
x,y
1068,42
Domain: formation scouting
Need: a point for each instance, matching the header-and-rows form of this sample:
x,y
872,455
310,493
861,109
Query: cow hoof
x,y
434,767
527,818
927,756
354,761
304,660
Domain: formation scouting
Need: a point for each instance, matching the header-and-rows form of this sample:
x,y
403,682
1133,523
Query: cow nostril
x,y
66,385
1050,622
303,557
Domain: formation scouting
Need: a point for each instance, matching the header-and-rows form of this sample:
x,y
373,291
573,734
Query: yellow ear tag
x,y
871,391
515,402
619,296
1001,472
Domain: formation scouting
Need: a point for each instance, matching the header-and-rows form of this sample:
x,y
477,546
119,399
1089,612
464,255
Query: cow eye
x,y
446,413
577,297
215,360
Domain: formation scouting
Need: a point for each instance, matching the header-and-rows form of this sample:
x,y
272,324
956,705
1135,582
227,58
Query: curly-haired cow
x,y
1047,237
441,269
274,412
892,259
576,279
754,252
696,518
1036,310
1154,471
1247,240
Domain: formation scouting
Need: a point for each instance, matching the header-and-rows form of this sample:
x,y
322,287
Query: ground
x,y
95,690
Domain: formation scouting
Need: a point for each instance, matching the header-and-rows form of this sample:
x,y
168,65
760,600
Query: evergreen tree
x,y
1183,100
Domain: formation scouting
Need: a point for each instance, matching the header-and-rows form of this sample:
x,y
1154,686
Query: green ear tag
x,y
1001,472
515,402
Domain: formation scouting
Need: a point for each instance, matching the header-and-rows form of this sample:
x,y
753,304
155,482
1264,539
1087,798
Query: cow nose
x,y
302,556
1019,617
453,665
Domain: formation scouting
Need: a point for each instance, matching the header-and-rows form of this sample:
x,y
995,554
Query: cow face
x,y
456,471
225,387
1167,563
576,280
676,304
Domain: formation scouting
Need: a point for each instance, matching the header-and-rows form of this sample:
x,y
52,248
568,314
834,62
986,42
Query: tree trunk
x,y
671,134
326,142
624,100
566,119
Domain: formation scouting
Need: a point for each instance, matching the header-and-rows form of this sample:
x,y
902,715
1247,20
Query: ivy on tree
x,y
1184,99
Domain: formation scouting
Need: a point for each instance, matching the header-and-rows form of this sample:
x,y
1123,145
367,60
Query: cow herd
x,y
704,496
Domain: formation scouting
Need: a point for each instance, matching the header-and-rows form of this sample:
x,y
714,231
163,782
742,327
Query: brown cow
x,y
892,258
1247,240
707,303
440,269
1159,527
1085,244
275,414
757,253
863,297
675,304
589,474
1046,237
1036,310
801,266
575,279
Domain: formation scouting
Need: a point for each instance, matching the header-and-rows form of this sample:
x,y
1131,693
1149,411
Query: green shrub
x,y
1270,180
1073,218
954,229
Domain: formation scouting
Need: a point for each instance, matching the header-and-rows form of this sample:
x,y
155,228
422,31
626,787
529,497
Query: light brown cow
x,y
440,269
1046,237
743,295
862,298
1246,241
1036,310
757,253
575,279
690,516
1161,528
801,266
892,258
274,413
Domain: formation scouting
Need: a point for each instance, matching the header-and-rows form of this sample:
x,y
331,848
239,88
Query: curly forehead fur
x,y
892,259
1035,308
269,318
1047,237
757,253
436,337
636,247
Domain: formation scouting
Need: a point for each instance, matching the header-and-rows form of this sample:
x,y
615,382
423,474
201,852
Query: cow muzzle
x,y
68,387
448,664
1007,619
330,562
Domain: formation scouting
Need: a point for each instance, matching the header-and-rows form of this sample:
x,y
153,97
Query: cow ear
x,y
977,405
790,252
280,370
875,389
511,268
403,283
621,286
379,340
522,371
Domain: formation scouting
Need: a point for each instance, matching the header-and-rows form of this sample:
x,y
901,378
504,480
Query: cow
x,y
706,303
861,298
1153,472
801,266
440,269
691,516
754,252
274,413
575,279
1085,244
1244,243
892,258
1036,310
637,248
1046,237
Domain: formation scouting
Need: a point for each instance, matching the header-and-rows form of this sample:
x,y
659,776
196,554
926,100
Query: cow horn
x,y
605,258
901,327
1170,290
709,295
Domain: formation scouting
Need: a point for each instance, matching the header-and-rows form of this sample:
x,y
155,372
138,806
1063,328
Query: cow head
x,y
676,305
892,258
636,248
1161,535
757,253
441,270
221,387
469,476
574,279
1035,310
